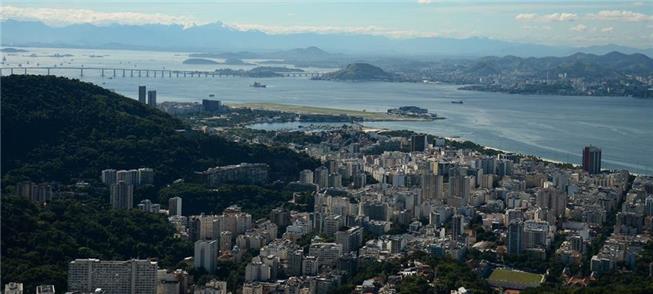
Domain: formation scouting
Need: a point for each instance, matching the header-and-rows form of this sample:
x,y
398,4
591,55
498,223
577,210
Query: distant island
x,y
259,72
12,50
199,61
359,72
226,55
235,61
301,57
413,111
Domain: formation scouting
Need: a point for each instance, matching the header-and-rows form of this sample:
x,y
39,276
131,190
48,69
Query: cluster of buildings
x,y
181,108
39,193
632,230
225,237
379,197
122,183
425,196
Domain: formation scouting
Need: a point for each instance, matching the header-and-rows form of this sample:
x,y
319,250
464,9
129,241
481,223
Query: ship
x,y
258,85
457,102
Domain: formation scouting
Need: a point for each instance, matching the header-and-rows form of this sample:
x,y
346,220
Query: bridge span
x,y
142,73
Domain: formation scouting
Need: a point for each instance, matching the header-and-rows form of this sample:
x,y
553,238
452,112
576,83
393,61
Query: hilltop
x,y
199,61
359,72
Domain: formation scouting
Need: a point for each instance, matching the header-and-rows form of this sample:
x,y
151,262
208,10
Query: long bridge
x,y
141,73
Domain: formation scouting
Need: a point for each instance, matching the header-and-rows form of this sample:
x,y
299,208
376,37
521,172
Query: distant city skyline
x,y
579,23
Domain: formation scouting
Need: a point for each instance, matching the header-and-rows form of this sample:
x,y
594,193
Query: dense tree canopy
x,y
198,198
61,129
39,242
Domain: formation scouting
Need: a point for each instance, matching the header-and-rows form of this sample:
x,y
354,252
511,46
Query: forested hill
x,y
359,72
59,129
613,65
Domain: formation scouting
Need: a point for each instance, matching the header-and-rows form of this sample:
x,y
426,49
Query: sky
x,y
571,23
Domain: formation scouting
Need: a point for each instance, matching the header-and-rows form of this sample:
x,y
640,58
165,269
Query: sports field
x,y
514,279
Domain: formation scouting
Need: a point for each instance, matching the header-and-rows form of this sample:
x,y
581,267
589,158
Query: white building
x,y
119,277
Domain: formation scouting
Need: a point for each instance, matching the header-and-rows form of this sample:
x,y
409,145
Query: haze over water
x,y
552,127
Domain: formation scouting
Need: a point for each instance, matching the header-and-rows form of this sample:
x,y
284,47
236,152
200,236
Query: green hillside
x,y
58,129
359,72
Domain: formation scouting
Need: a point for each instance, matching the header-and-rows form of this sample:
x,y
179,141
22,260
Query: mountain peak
x,y
359,72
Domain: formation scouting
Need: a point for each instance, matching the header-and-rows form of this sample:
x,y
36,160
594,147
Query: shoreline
x,y
544,159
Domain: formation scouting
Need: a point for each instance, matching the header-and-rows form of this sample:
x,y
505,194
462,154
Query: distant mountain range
x,y
580,65
612,74
217,37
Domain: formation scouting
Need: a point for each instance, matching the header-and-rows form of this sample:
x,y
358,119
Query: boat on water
x,y
258,85
457,102
211,95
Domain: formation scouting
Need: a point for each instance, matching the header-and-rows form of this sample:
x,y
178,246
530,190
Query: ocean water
x,y
552,127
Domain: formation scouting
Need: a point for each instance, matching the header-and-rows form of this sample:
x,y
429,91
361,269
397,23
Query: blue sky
x,y
576,23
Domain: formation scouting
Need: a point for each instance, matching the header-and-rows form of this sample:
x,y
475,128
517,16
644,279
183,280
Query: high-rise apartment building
x,y
457,226
113,277
515,232
145,176
535,234
206,255
428,186
142,91
151,98
552,199
592,159
174,206
306,176
418,143
326,253
122,195
321,176
350,239
128,176
295,259
109,176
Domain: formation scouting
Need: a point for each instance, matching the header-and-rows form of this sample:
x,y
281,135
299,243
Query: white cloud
x,y
620,15
553,17
579,28
607,29
603,15
57,16
526,16
423,1
564,16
